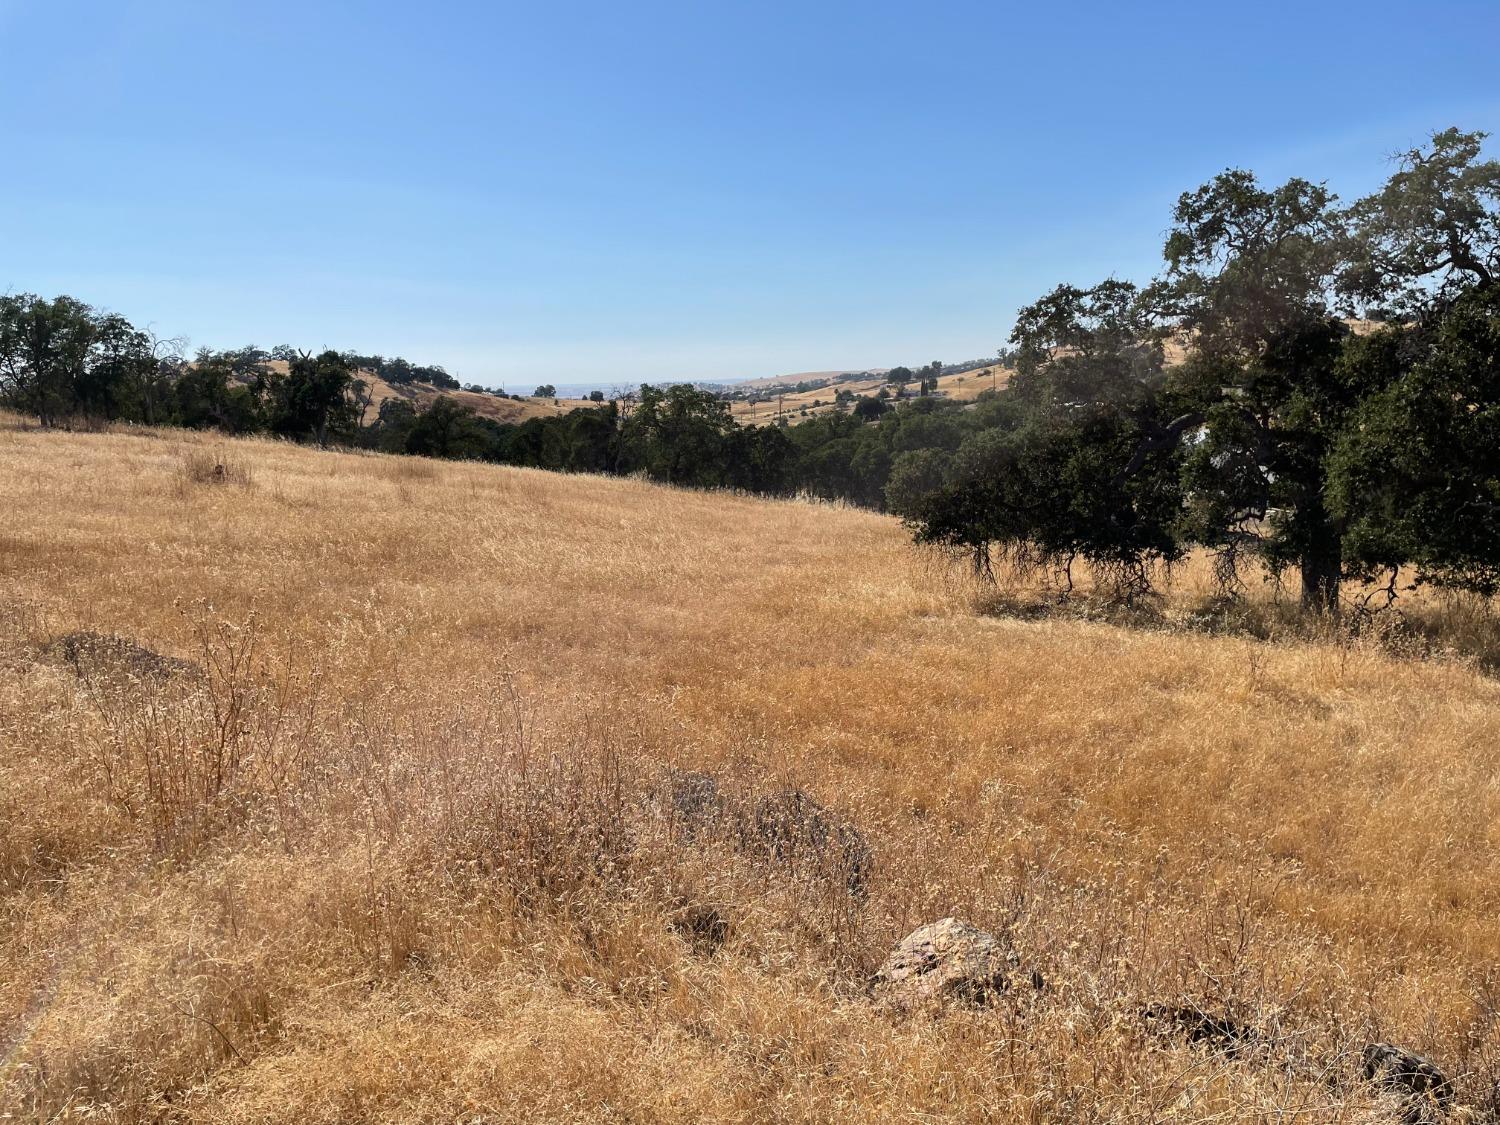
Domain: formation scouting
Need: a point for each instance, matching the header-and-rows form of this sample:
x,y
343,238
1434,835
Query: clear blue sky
x,y
589,190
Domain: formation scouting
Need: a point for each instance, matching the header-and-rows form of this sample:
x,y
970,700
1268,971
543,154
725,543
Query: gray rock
x,y
946,960
1200,1028
1410,1075
102,656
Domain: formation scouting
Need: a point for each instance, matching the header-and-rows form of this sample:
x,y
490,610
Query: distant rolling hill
x,y
965,386
801,377
422,395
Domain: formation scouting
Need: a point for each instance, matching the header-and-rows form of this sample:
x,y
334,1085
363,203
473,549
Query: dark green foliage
x,y
447,429
1065,477
760,459
1431,232
62,360
1248,280
1084,346
1284,434
315,399
586,440
396,371
1282,383
392,427
916,474
215,392
927,378
1052,493
1416,477
680,435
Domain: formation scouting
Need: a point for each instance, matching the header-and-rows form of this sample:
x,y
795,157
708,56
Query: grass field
x,y
963,387
392,846
422,395
507,411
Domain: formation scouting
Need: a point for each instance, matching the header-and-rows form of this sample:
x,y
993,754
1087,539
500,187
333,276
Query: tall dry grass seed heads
x,y
350,796
215,466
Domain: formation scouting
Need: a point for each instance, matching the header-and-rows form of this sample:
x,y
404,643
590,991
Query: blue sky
x,y
589,191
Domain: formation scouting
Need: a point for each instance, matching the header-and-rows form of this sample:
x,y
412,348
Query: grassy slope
x,y
506,410
422,395
350,928
964,387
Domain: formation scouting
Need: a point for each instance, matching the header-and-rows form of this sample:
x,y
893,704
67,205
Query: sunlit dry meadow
x,y
392,847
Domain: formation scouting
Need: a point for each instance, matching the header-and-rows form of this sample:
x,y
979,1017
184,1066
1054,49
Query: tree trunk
x,y
1322,565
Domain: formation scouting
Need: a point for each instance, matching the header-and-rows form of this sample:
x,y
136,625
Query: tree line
x,y
399,372
1312,386
63,362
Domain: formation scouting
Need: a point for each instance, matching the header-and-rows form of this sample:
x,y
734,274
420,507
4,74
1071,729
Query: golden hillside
x,y
397,844
506,410
422,395
963,387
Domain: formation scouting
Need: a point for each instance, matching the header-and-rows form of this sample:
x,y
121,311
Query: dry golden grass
x,y
507,411
969,385
964,387
397,851
216,465
793,404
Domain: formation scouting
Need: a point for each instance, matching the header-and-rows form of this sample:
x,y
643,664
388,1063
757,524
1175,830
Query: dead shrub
x,y
547,831
185,761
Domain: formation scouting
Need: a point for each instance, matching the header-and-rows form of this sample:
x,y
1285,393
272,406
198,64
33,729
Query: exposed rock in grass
x,y
947,960
695,801
704,927
1201,1028
99,655
1427,1091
